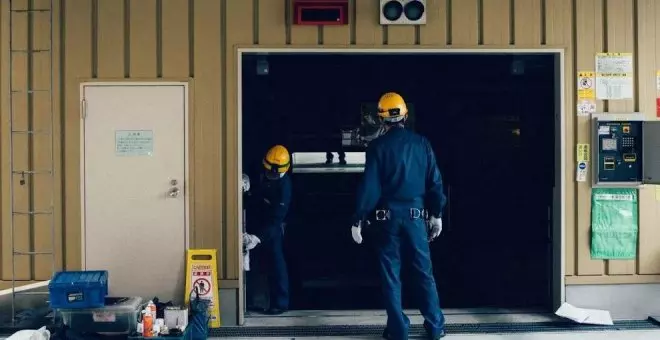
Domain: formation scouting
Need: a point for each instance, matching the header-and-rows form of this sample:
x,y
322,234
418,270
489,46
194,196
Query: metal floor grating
x,y
416,330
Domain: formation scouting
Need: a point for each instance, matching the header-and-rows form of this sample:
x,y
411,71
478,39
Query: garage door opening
x,y
493,122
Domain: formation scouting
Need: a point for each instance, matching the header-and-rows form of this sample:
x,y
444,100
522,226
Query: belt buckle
x,y
382,215
416,213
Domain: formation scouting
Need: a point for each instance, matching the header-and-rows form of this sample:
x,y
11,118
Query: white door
x,y
134,187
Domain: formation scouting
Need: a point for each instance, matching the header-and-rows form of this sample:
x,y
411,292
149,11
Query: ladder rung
x,y
31,293
30,10
41,212
33,252
32,172
32,132
29,91
30,51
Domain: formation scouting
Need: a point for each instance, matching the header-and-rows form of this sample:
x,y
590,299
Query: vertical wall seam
x,y
574,47
223,128
95,38
353,20
605,33
385,34
543,23
448,23
636,98
255,21
636,107
191,39
62,105
418,35
319,35
1,127
638,81
606,103
287,21
512,22
159,38
30,137
480,22
127,38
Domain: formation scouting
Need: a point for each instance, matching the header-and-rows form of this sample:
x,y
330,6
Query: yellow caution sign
x,y
202,273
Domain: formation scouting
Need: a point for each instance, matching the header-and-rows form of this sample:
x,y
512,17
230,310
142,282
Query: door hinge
x,y
83,109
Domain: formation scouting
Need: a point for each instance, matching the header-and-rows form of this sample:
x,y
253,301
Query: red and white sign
x,y
202,280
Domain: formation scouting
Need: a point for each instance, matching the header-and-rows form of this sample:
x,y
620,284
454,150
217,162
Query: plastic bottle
x,y
147,323
152,307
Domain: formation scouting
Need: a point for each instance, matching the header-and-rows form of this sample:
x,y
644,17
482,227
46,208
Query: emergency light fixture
x,y
320,12
402,12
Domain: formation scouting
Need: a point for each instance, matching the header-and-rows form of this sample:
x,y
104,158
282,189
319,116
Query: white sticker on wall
x,y
582,168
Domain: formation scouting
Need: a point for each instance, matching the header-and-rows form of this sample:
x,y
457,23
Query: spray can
x,y
147,323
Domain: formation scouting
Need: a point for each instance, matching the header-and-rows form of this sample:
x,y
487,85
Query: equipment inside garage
x,y
491,121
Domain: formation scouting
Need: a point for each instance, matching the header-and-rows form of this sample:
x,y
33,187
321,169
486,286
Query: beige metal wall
x,y
180,39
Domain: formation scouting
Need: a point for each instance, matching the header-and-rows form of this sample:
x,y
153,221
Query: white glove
x,y
245,183
356,232
435,226
250,241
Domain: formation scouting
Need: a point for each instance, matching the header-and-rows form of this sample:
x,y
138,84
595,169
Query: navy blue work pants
x,y
270,254
408,236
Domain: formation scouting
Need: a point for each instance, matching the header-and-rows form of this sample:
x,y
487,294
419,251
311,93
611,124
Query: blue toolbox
x,y
78,289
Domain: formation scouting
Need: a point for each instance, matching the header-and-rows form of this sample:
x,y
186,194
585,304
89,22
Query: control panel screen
x,y
609,144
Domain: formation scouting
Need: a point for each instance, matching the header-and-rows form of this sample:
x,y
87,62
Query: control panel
x,y
619,151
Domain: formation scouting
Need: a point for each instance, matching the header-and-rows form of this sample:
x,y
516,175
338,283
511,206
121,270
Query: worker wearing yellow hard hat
x,y
273,197
403,184
277,162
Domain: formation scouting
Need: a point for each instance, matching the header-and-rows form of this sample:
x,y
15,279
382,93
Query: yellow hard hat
x,y
392,108
277,159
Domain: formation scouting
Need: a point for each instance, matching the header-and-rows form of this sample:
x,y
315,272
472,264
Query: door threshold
x,y
304,318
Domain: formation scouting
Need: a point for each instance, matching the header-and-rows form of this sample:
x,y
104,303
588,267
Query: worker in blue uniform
x,y
272,200
403,185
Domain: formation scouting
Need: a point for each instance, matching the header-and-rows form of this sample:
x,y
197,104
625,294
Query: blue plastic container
x,y
78,289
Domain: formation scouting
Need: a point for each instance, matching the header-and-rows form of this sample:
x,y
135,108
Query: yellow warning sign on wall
x,y
586,85
582,152
202,273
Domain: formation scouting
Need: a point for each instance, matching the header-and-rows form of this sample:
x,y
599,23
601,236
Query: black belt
x,y
415,213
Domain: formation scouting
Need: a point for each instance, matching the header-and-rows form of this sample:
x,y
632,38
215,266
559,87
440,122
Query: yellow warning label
x,y
586,85
202,275
583,153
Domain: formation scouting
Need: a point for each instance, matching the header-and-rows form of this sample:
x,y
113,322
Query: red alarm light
x,y
320,12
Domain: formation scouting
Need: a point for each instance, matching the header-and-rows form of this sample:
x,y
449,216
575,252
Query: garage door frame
x,y
559,218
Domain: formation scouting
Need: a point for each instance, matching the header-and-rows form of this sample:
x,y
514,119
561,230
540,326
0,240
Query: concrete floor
x,y
619,335
616,335
316,318
457,316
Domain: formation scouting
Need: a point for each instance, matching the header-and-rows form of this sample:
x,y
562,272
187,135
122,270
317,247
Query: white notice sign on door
x,y
134,142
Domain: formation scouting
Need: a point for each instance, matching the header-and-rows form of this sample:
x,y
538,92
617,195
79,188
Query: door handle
x,y
173,192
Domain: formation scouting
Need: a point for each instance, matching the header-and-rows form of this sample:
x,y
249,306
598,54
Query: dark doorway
x,y
491,120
